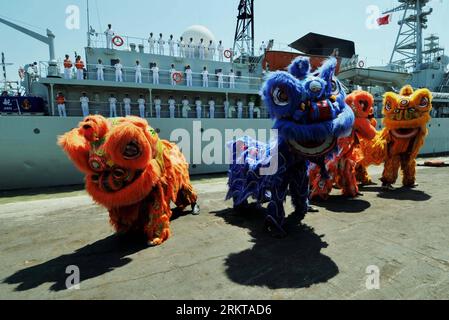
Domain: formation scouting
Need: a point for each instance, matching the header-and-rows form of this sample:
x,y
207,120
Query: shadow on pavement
x,y
399,194
343,204
92,260
292,262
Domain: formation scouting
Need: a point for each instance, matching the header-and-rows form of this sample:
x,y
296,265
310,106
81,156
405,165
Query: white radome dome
x,y
198,32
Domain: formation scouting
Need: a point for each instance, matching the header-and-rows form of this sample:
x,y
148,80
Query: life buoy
x,y
361,64
118,41
228,54
177,77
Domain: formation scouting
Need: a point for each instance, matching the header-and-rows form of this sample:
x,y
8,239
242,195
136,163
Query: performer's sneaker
x,y
411,186
387,187
312,209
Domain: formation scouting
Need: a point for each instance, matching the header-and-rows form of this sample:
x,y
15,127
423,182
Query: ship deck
x,y
222,255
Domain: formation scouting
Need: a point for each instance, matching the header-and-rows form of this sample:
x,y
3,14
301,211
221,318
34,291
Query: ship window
x,y
239,73
433,76
114,62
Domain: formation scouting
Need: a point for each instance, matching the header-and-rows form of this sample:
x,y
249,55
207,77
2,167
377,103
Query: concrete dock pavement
x,y
224,255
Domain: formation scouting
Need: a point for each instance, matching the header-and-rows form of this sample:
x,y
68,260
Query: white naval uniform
x,y
112,107
185,108
61,110
199,108
212,109
157,107
100,72
191,50
240,109
160,45
85,106
205,74
181,49
172,73
109,35
172,108
141,103
151,42
127,105
220,80
138,69
262,48
155,75
202,50
67,73
211,51
226,109
220,50
189,77
118,72
251,109
232,80
171,47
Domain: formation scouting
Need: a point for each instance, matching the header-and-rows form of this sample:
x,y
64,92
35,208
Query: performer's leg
x,y
391,169
299,190
408,167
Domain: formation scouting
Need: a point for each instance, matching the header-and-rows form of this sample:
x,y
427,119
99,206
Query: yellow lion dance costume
x,y
398,144
132,173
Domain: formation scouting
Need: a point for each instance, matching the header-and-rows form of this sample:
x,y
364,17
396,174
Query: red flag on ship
x,y
384,20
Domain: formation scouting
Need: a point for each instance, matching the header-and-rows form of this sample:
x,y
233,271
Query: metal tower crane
x,y
408,48
244,33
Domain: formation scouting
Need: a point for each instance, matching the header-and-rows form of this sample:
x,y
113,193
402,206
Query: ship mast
x,y
88,26
244,33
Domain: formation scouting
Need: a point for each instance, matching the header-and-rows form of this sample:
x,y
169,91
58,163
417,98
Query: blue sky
x,y
282,20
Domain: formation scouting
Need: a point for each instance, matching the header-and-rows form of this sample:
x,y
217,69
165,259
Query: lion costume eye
x,y
335,88
388,106
424,102
280,96
132,151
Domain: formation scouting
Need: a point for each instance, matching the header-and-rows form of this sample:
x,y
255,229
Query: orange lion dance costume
x,y
132,173
398,144
341,166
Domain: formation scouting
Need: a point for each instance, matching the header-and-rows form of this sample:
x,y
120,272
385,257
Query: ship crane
x,y
49,39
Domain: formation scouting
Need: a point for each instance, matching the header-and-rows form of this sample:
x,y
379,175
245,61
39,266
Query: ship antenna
x,y
88,25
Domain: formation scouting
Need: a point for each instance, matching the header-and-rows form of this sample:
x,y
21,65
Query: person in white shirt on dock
x,y
191,49
84,104
211,50
211,108
205,75
141,103
251,106
171,46
100,70
172,75
172,107
189,76
185,107
109,36
160,45
118,71
220,77
151,42
231,79
112,107
199,108
239,109
181,48
138,69
157,106
155,70
220,50
226,108
202,50
127,105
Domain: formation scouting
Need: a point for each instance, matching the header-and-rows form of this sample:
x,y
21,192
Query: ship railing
x,y
165,77
73,109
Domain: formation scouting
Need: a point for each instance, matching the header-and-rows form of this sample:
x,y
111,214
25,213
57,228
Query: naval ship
x,y
29,124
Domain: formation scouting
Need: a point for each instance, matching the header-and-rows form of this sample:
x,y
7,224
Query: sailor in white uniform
x,y
220,79
172,74
202,49
157,106
151,42
251,106
138,69
205,75
171,46
100,70
127,105
84,104
112,107
181,48
161,44
226,108
199,108
239,109
155,70
212,108
263,47
191,49
141,103
220,50
118,71
231,79
109,35
185,107
172,107
211,50
189,76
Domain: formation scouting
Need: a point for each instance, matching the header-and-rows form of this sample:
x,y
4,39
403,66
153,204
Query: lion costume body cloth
x,y
341,166
132,173
405,128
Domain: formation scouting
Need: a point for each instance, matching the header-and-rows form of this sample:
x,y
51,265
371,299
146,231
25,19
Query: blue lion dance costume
x,y
310,114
